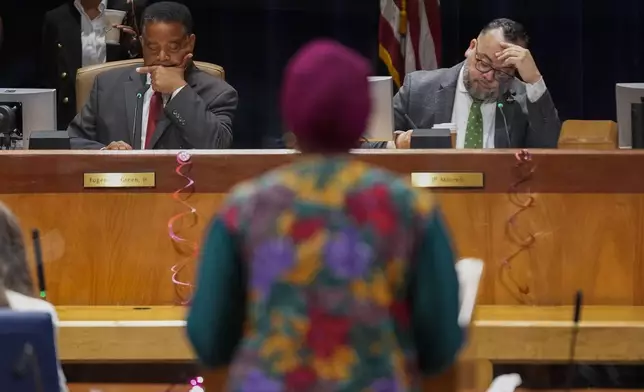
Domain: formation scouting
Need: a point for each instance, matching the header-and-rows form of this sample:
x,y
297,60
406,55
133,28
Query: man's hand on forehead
x,y
516,56
490,59
487,49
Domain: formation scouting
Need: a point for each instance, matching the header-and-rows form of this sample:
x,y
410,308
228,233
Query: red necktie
x,y
156,105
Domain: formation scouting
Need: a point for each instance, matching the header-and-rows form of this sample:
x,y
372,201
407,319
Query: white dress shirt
x,y
93,33
461,111
23,303
145,112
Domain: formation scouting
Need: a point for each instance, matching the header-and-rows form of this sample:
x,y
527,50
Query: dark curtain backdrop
x,y
254,42
582,47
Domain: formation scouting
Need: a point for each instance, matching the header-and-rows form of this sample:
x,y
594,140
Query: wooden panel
x,y
582,241
499,333
607,334
123,334
558,171
106,247
109,249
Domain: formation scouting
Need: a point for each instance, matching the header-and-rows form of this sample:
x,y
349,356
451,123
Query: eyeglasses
x,y
484,67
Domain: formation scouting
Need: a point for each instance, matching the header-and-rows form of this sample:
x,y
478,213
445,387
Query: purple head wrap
x,y
325,97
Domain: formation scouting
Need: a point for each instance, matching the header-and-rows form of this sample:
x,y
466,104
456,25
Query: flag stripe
x,y
422,42
413,8
433,12
389,50
427,50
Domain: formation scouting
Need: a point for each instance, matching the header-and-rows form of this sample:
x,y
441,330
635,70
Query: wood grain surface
x,y
607,334
111,247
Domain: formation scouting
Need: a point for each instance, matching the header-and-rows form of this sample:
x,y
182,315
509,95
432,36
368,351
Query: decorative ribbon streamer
x,y
183,167
523,171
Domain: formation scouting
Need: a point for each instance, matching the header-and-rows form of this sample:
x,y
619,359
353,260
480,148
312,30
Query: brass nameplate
x,y
447,180
119,180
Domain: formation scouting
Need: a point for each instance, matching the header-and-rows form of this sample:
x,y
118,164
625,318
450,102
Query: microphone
x,y
505,122
573,341
139,95
410,122
40,268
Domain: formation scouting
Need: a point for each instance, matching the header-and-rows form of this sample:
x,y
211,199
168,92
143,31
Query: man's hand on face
x,y
120,145
166,80
520,58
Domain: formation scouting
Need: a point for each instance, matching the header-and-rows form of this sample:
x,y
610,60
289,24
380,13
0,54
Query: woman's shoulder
x,y
25,303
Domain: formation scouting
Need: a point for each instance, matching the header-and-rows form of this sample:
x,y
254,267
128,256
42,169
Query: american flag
x,y
409,35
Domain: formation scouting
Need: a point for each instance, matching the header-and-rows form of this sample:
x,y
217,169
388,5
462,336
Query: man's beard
x,y
482,94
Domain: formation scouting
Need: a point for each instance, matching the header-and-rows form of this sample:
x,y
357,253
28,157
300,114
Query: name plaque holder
x,y
448,180
119,180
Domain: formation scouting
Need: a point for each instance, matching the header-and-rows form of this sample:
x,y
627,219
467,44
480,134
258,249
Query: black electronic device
x,y
49,140
431,138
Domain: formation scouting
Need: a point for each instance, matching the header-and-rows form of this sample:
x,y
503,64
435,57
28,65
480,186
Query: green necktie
x,y
474,130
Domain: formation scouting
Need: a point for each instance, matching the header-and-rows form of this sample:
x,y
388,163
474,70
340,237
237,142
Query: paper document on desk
x,y
505,383
469,272
450,126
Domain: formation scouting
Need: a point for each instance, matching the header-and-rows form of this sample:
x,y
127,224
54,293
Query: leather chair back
x,y
588,135
86,75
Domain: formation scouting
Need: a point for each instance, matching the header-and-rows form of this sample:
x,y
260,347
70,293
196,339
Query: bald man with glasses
x,y
496,98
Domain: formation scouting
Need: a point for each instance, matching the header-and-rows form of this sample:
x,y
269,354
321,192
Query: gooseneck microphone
x,y
139,95
505,123
573,341
409,122
40,268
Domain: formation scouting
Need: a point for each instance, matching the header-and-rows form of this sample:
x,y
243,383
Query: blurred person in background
x,y
73,36
327,274
16,286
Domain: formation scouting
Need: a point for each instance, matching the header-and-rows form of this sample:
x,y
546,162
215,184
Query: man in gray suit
x,y
489,105
166,104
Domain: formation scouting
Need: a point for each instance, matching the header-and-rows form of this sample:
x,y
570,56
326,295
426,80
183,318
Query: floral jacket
x,y
327,275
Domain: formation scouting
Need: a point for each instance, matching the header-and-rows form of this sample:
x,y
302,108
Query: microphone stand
x,y
572,367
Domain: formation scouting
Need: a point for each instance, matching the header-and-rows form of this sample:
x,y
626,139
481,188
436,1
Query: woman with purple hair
x,y
327,274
